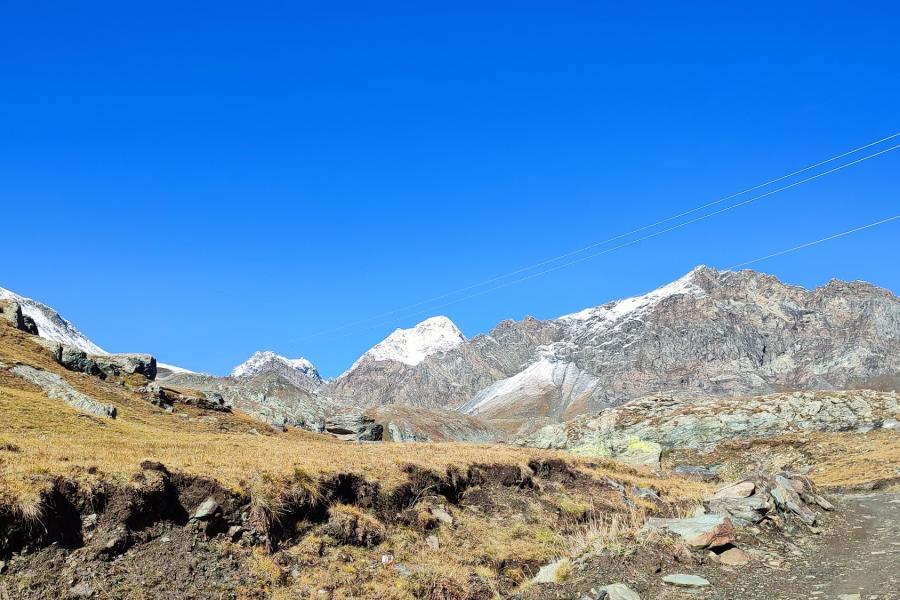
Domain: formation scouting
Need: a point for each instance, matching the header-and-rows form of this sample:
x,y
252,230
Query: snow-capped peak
x,y
411,346
614,312
51,325
269,361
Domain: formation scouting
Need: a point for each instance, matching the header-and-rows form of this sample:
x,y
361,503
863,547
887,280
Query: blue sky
x,y
208,180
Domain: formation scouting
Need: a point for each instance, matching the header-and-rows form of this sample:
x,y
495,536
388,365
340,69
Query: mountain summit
x,y
299,371
412,346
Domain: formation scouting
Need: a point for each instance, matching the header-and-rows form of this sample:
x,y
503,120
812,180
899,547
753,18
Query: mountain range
x,y
709,333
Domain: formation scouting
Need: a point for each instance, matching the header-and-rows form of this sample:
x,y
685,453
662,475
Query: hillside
x,y
125,488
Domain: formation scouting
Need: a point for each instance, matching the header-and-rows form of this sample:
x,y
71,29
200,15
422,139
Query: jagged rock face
x,y
298,371
445,379
714,333
708,333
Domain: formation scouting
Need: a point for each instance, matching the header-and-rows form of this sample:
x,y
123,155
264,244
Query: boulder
x,y
441,514
743,511
734,557
682,580
738,489
208,509
787,499
114,365
552,573
54,348
11,312
354,426
705,531
28,325
75,359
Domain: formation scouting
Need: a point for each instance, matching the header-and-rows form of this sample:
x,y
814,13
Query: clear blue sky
x,y
201,181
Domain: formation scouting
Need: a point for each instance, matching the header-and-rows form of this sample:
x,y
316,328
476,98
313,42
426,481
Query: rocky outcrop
x,y
11,312
703,423
787,493
103,365
354,425
57,388
267,396
114,365
167,397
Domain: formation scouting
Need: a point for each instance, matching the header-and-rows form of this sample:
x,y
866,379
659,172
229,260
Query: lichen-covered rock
x,y
628,449
354,425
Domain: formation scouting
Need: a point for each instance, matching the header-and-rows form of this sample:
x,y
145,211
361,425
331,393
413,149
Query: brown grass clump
x,y
349,525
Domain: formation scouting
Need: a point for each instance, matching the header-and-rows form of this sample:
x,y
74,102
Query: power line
x,y
619,246
813,243
601,243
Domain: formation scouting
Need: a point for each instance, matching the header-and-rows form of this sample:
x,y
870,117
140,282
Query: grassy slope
x,y
501,533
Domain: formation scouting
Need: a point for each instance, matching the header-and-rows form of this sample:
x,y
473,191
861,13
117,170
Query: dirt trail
x,y
859,553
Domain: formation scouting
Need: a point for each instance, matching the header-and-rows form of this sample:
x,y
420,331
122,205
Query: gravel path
x,y
856,558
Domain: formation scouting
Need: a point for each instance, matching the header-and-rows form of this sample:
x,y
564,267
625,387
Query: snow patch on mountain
x,y
544,379
51,325
613,313
412,346
269,361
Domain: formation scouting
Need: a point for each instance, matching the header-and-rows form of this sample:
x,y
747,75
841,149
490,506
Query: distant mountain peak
x,y
413,345
299,370
617,310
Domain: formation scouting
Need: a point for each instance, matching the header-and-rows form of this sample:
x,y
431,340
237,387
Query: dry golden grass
x,y
501,541
833,459
52,439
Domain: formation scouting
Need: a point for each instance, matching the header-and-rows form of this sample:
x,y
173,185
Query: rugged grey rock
x,y
709,333
702,423
114,365
11,311
354,425
58,388
447,379
268,396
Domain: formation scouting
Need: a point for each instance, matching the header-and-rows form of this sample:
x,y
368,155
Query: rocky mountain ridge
x,y
709,333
